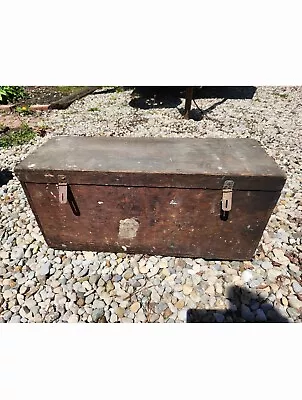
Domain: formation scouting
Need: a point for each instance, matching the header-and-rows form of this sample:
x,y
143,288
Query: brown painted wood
x,y
158,162
181,222
127,195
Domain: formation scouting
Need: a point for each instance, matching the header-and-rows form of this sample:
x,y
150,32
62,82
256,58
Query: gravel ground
x,y
41,284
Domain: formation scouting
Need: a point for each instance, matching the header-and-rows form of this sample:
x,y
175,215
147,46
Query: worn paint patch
x,y
173,202
128,228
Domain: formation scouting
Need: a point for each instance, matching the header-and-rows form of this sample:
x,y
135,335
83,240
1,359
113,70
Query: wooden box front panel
x,y
150,220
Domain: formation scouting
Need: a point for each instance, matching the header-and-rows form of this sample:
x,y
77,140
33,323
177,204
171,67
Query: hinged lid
x,y
161,162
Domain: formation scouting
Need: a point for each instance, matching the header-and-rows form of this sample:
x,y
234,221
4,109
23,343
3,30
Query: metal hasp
x,y
227,197
62,189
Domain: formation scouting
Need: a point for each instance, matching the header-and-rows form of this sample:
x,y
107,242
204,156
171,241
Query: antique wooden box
x,y
209,198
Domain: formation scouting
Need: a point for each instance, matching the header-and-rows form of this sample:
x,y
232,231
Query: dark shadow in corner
x,y
240,298
147,97
5,176
224,92
72,202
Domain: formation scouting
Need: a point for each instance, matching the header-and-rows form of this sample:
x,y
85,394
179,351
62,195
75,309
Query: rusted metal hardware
x,y
227,194
62,189
227,198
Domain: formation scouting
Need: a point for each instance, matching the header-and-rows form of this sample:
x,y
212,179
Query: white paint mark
x,y
219,167
124,248
31,165
48,176
173,202
53,195
100,202
128,228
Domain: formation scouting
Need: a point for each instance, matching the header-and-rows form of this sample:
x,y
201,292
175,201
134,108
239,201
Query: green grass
x,y
93,109
17,136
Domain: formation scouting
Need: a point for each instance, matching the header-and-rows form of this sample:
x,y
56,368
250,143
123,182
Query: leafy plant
x,y
24,110
11,93
18,136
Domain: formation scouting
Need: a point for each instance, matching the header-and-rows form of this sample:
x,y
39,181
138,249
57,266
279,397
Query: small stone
x,y
294,302
8,294
187,289
182,314
109,286
44,269
297,287
81,302
292,312
120,312
210,291
154,270
89,255
246,276
155,296
140,316
135,307
284,301
97,314
219,317
15,319
143,269
246,313
73,318
117,278
89,298
17,253
260,315
167,313
195,296
86,285
128,274
180,304
266,265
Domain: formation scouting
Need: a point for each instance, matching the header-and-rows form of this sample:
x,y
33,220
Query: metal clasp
x,y
62,189
227,197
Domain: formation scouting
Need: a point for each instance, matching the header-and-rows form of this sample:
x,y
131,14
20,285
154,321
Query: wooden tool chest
x,y
207,197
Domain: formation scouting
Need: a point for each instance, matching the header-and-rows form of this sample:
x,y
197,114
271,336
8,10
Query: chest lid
x,y
160,162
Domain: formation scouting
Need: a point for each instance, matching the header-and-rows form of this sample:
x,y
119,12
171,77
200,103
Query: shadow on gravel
x,y
5,176
224,92
147,97
245,306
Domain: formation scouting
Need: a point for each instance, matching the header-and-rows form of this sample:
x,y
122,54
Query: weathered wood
x,y
68,100
161,162
167,221
127,195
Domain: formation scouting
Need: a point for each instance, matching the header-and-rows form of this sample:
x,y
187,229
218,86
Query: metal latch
x,y
227,196
62,189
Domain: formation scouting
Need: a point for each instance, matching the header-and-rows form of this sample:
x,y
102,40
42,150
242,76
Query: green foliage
x,y
9,94
17,136
93,109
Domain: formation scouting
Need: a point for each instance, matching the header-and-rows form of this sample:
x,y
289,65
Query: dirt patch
x,y
46,94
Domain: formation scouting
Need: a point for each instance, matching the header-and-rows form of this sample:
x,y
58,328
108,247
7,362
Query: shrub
x,y
9,94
